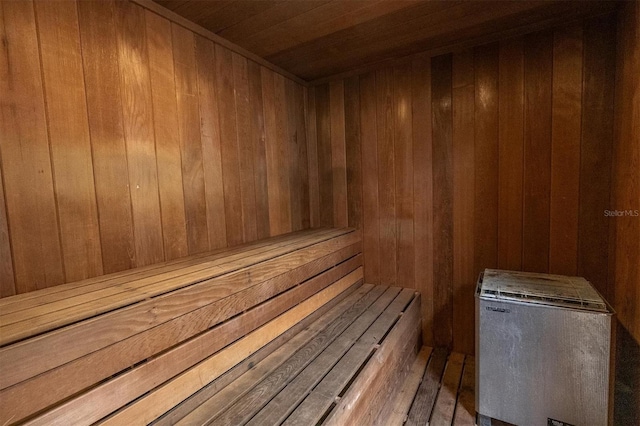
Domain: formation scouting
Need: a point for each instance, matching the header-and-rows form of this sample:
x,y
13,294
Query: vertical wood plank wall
x,y
497,156
626,196
626,176
127,139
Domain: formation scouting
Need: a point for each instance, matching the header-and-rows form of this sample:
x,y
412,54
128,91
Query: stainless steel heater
x,y
543,350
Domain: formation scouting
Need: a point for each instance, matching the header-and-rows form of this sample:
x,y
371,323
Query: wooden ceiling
x,y
318,38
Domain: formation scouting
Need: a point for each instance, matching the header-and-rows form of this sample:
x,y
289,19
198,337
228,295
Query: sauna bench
x,y
278,330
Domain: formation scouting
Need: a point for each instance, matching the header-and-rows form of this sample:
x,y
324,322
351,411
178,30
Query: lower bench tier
x,y
339,366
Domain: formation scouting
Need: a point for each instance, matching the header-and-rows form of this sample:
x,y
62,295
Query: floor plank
x,y
420,411
465,406
446,402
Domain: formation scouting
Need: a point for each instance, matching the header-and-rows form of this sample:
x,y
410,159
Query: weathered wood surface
x,y
446,402
52,294
262,394
422,406
402,403
125,291
267,287
210,408
363,401
95,404
27,358
444,395
316,404
355,354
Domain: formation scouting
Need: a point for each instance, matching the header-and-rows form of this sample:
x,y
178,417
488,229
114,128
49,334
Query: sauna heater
x,y
543,350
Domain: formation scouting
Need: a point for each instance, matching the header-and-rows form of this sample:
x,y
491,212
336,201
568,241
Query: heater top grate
x,y
553,290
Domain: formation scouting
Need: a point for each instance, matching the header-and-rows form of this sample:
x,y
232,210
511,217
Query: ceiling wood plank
x,y
316,23
387,38
236,12
315,39
274,16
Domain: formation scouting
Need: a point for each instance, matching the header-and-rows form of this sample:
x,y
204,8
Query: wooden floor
x,y
439,390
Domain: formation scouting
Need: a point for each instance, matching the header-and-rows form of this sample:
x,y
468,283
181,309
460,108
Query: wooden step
x,y
333,360
203,316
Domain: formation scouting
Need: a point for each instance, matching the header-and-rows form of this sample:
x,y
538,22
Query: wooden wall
x,y
627,170
127,139
626,193
497,156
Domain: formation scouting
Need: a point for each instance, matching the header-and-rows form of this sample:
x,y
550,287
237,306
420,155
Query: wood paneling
x,y
370,209
325,172
490,130
625,191
258,138
315,39
486,158
245,146
229,145
538,63
104,105
281,154
596,151
626,179
167,131
386,176
299,176
128,140
186,86
7,278
312,154
69,143
137,119
354,151
442,123
403,167
211,146
510,153
338,153
422,190
26,159
464,274
565,143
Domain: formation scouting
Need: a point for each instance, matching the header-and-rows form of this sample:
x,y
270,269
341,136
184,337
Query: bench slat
x,y
277,410
371,388
178,342
39,319
34,356
255,399
72,377
211,408
60,292
297,335
156,403
317,403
